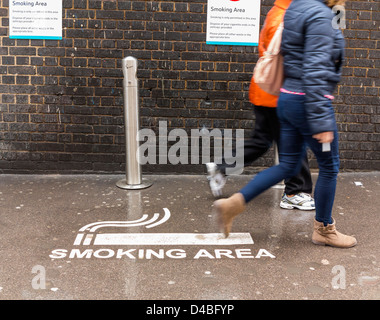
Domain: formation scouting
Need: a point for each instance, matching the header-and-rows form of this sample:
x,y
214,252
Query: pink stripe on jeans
x,y
292,92
328,96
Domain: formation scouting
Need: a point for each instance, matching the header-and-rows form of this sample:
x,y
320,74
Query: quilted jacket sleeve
x,y
319,41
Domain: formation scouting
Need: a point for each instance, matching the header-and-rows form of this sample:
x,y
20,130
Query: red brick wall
x,y
61,103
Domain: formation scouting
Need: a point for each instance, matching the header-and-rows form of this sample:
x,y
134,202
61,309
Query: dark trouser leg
x,y
267,130
301,182
266,127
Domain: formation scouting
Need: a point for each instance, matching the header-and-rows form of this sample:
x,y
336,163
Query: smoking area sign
x,y
233,22
90,242
30,19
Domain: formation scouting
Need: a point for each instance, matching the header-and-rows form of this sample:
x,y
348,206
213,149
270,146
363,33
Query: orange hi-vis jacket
x,y
274,17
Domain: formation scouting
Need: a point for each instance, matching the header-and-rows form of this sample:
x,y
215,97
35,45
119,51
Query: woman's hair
x,y
332,3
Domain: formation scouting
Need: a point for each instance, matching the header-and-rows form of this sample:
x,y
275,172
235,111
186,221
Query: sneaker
x,y
216,179
302,201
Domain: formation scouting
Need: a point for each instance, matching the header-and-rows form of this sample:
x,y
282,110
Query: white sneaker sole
x,y
216,181
294,206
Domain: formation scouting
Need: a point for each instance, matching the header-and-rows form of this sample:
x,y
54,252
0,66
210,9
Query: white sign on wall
x,y
30,19
233,22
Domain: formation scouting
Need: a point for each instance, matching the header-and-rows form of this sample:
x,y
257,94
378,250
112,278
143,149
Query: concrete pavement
x,y
80,237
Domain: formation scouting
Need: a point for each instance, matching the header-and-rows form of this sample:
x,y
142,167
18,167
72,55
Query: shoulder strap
x,y
274,46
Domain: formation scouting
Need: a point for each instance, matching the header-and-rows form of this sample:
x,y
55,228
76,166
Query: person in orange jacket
x,y
297,193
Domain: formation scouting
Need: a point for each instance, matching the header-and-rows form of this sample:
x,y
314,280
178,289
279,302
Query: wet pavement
x,y
81,237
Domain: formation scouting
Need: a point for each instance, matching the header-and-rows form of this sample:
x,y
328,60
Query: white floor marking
x,y
172,239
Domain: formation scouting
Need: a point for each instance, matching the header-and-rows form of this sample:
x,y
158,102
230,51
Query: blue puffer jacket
x,y
313,52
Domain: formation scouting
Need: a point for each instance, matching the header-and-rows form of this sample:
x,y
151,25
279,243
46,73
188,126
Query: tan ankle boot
x,y
329,236
228,209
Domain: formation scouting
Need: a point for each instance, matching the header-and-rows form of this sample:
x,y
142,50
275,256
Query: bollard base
x,y
122,184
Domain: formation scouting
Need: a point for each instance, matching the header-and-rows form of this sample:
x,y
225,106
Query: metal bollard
x,y
133,179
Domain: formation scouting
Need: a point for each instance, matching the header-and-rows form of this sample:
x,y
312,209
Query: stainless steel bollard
x,y
132,125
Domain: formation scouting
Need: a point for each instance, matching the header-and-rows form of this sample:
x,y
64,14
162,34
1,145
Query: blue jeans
x,y
294,138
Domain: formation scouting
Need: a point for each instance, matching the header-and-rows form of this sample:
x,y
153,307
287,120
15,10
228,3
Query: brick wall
x,y
61,102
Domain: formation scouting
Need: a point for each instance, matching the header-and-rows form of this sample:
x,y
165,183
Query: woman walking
x,y
313,53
